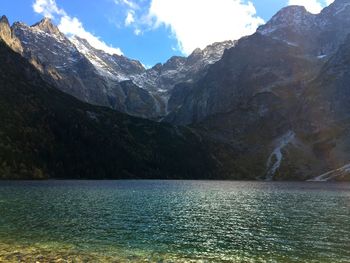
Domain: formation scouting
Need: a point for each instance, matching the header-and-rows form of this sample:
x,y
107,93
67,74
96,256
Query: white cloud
x,y
71,25
132,11
198,23
137,32
48,8
129,18
313,6
128,3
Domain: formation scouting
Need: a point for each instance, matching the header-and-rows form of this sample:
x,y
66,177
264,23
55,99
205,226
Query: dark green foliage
x,y
45,133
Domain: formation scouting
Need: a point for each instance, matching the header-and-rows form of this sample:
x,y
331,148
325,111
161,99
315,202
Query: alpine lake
x,y
174,221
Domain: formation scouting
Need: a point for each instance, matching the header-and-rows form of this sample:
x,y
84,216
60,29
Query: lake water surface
x,y
174,221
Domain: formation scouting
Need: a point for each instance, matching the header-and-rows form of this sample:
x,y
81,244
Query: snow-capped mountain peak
x,y
296,17
46,25
111,66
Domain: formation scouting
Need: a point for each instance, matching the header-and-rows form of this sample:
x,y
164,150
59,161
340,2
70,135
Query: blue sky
x,y
152,30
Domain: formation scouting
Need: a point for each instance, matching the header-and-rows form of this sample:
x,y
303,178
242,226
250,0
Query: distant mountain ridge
x,y
72,72
91,75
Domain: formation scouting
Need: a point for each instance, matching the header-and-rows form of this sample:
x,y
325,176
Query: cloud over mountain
x,y
313,6
71,25
197,23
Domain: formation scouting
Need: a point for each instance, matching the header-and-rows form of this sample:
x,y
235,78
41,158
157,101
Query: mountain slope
x,y
65,67
162,79
276,97
256,65
7,35
290,48
319,35
46,133
113,66
91,75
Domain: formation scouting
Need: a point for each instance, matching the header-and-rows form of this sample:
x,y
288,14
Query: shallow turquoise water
x,y
179,220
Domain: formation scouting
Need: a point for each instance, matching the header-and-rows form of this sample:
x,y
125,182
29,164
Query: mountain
x,y
319,35
291,38
257,65
112,66
94,76
7,35
160,80
165,81
46,133
65,67
270,106
280,96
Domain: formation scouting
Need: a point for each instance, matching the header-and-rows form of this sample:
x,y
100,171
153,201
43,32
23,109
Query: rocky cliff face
x,y
319,35
61,62
7,36
91,75
274,56
112,66
161,80
45,133
279,96
256,65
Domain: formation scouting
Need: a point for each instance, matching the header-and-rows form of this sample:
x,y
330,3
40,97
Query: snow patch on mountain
x,y
331,175
295,17
276,157
342,8
92,55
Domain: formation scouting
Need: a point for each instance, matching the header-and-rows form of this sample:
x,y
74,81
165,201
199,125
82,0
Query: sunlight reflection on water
x,y
177,220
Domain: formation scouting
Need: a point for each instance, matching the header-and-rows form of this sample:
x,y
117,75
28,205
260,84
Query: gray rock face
x,y
48,27
180,69
323,115
318,35
94,76
326,101
162,79
280,97
257,64
112,66
72,72
289,49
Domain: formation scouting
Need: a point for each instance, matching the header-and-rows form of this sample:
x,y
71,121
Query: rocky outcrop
x,y
94,76
290,77
7,36
46,25
256,65
112,66
161,80
319,35
71,71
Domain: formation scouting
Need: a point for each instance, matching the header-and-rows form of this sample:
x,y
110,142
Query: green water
x,y
174,221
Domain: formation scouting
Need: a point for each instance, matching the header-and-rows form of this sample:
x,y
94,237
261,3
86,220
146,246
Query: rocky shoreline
x,y
33,254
